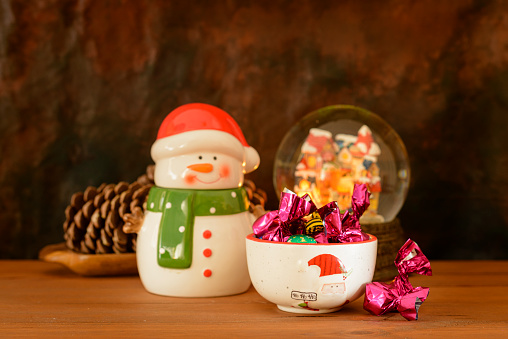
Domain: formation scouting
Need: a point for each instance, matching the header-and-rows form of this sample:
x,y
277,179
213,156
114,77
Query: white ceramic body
x,y
281,273
198,148
227,263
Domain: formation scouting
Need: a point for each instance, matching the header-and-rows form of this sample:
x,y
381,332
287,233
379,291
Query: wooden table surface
x,y
467,299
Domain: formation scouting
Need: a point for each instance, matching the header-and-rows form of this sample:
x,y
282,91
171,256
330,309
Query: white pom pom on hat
x,y
201,127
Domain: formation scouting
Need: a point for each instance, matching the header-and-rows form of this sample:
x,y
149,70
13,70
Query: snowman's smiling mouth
x,y
205,173
207,182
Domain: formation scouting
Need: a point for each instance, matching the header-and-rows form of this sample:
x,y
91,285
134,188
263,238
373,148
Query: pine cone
x,y
99,220
94,218
257,197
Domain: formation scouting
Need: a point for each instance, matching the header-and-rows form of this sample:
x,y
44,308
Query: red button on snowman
x,y
192,241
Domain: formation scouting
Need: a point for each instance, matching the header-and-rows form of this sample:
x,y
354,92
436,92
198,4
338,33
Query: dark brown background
x,y
84,86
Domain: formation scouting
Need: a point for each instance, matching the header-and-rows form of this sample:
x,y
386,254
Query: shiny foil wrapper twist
x,y
289,219
400,295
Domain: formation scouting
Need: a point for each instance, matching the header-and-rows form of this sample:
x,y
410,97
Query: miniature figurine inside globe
x,y
330,150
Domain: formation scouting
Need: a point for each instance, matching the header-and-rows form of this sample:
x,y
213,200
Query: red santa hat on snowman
x,y
200,127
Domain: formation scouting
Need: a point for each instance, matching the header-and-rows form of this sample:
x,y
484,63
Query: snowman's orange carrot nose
x,y
203,168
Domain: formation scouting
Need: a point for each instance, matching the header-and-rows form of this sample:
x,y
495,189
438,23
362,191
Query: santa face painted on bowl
x,y
192,243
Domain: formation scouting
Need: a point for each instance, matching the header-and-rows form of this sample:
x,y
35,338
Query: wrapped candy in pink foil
x,y
280,225
345,227
400,295
351,229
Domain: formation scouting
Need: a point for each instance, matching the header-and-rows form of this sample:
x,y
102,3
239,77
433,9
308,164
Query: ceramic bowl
x,y
310,278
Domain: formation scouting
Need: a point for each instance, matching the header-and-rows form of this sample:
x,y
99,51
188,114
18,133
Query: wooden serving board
x,y
90,264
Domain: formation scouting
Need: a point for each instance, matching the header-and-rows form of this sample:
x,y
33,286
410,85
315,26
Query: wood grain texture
x,y
45,300
85,84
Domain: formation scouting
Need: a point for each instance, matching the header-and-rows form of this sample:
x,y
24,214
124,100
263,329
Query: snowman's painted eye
x,y
200,157
214,158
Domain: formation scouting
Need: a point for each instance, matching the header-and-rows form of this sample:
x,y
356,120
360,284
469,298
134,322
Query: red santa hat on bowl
x,y
329,264
200,127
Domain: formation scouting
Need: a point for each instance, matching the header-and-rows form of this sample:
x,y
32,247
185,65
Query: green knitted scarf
x,y
179,207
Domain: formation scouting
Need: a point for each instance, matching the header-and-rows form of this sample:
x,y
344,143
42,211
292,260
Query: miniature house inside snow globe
x,y
330,150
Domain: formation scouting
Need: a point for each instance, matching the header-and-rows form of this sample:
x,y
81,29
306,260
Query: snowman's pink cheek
x,y
225,171
189,179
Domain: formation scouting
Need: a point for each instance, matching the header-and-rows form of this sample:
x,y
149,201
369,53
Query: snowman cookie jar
x,y
192,241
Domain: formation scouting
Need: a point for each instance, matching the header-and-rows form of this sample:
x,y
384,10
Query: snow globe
x,y
330,150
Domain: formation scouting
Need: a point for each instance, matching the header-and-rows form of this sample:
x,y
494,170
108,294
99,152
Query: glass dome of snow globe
x,y
330,150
